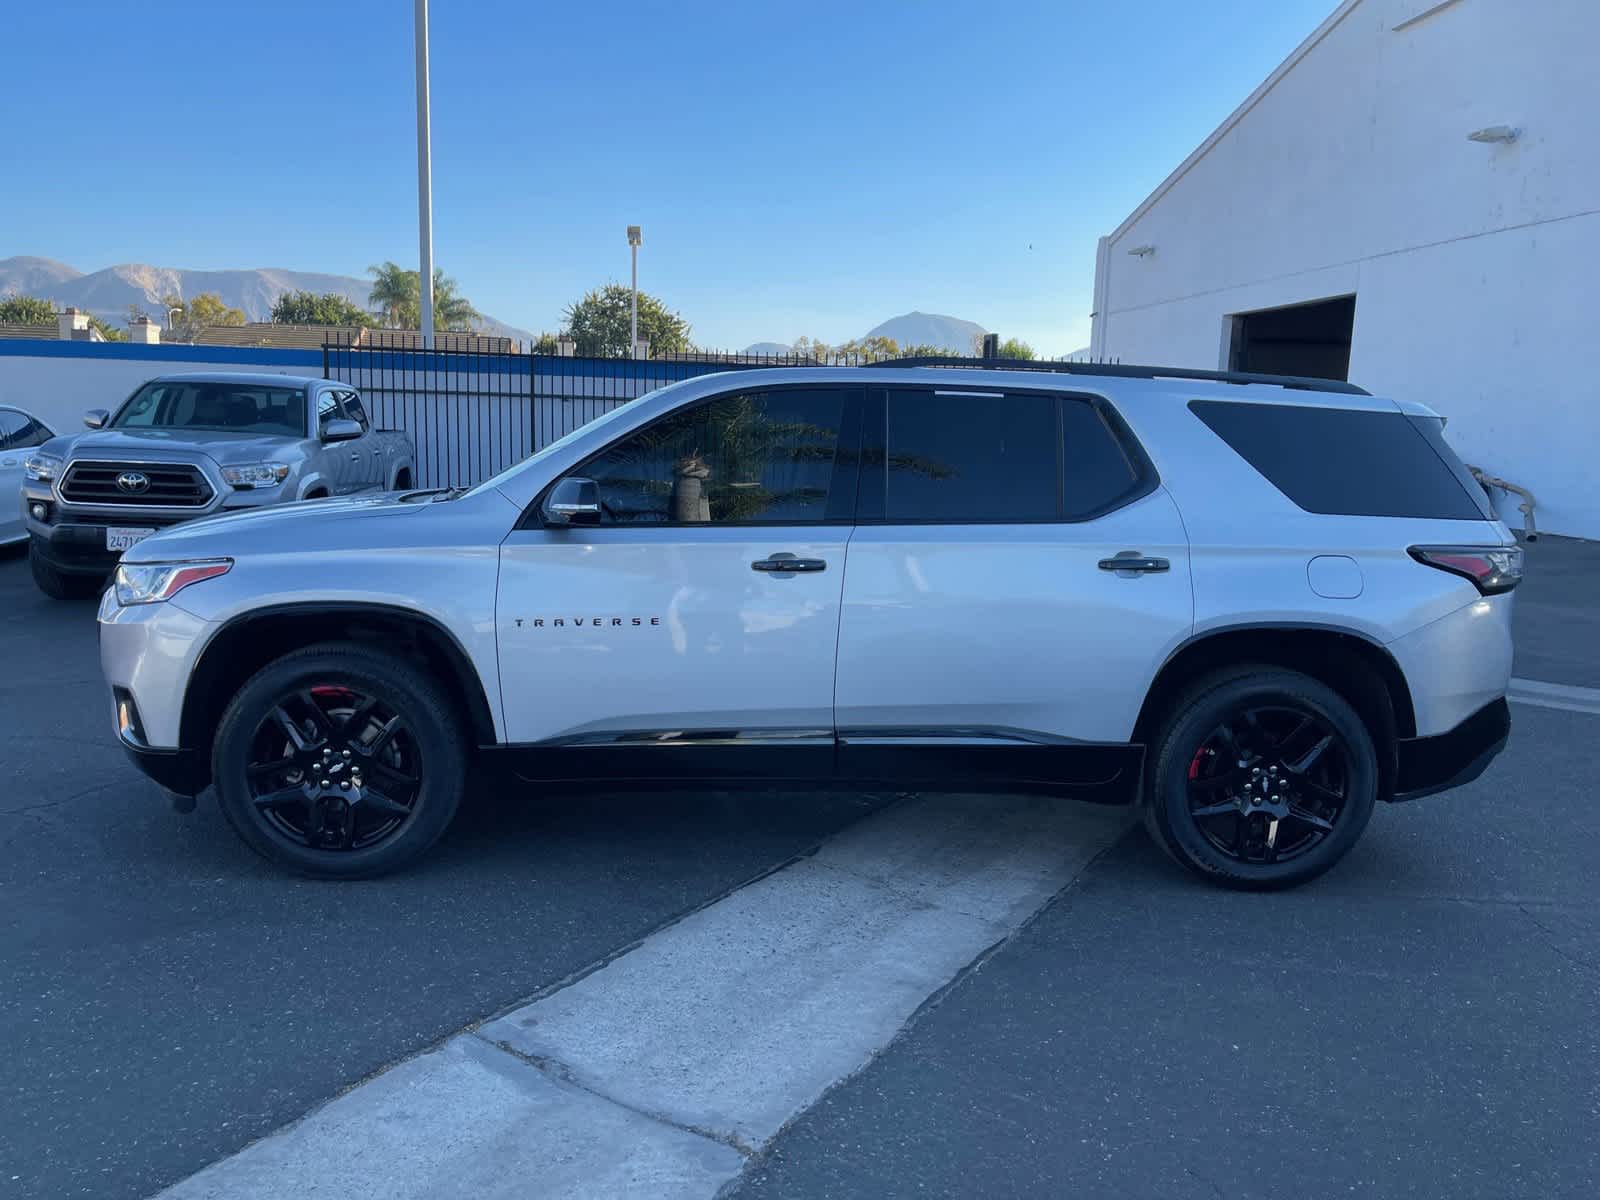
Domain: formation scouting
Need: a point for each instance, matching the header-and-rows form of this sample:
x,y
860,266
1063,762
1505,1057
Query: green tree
x,y
1016,348
397,294
27,310
545,343
599,322
307,308
188,317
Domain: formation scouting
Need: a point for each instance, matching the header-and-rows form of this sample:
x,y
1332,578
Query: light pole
x,y
634,238
424,175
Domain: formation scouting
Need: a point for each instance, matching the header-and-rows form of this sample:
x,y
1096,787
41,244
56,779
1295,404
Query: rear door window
x,y
987,458
1349,462
956,457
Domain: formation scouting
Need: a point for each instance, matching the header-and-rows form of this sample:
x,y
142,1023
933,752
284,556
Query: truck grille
x,y
165,485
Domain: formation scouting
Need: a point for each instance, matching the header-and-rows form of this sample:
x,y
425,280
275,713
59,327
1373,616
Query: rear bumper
x,y
1447,760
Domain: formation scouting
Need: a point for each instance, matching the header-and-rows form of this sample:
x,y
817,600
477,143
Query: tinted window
x,y
1097,473
13,427
1345,461
970,458
353,406
218,407
758,456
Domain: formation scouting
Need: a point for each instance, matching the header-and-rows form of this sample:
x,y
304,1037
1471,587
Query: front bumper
x,y
1447,760
182,772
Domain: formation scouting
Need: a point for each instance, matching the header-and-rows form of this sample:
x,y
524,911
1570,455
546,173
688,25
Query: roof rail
x,y
1129,371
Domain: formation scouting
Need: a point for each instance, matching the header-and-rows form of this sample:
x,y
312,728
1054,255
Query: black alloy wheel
x,y
1260,778
338,762
333,768
1268,784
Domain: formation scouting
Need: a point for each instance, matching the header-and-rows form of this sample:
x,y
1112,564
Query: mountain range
x,y
108,293
909,329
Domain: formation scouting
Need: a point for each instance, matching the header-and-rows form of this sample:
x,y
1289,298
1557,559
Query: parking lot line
x,y
659,1073
1555,695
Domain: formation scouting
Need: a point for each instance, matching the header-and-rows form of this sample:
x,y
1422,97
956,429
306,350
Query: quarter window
x,y
753,457
1351,462
1097,472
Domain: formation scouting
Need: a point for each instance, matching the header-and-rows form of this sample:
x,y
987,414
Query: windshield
x,y
216,407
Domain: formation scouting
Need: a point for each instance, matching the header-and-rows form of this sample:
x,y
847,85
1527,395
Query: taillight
x,y
1493,568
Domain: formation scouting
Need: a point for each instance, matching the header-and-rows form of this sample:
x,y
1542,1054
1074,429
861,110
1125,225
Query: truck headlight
x,y
254,475
151,583
42,468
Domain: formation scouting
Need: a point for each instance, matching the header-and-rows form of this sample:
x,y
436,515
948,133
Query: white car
x,y
1252,607
19,432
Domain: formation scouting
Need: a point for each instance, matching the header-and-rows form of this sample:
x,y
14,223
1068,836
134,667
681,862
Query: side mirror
x,y
573,501
96,418
341,430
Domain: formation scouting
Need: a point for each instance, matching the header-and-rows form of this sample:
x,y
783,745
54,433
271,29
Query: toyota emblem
x,y
133,482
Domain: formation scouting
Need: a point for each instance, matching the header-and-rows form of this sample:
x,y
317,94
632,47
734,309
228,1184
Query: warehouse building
x,y
1411,202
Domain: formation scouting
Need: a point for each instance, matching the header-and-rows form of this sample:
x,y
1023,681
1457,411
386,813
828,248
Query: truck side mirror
x,y
573,501
340,430
96,418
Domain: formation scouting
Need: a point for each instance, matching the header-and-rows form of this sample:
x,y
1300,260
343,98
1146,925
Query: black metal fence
x,y
475,406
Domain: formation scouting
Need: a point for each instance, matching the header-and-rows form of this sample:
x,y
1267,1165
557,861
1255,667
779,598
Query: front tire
x,y
1260,778
339,763
58,585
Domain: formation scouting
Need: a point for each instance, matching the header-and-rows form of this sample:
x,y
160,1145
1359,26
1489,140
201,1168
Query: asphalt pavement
x,y
1420,1021
170,997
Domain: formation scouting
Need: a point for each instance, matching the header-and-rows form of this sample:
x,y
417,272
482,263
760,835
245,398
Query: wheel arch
x,y
251,640
1355,666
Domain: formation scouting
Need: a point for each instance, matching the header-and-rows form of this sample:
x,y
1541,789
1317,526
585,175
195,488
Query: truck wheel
x,y
57,584
339,763
1260,778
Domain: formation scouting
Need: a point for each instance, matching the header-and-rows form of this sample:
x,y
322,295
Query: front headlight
x,y
254,475
151,583
42,468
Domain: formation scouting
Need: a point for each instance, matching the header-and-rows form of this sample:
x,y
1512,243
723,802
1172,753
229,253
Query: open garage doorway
x,y
1302,339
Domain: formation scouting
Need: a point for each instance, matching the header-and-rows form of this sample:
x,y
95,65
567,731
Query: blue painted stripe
x,y
255,356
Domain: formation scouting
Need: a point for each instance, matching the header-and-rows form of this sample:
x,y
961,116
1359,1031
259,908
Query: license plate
x,y
120,537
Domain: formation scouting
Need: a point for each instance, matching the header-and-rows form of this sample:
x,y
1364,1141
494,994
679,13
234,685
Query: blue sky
x,y
798,169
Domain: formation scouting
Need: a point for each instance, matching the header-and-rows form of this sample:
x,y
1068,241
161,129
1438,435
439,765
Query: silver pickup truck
x,y
186,446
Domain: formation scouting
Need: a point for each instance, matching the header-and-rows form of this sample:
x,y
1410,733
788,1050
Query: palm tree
x,y
451,310
396,294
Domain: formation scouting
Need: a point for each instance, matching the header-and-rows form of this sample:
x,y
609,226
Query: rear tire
x,y
1260,778
301,731
58,585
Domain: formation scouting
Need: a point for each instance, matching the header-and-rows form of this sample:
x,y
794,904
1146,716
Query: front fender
x,y
312,481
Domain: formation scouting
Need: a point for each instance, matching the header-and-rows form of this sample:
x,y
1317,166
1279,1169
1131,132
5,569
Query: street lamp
x,y
634,238
424,174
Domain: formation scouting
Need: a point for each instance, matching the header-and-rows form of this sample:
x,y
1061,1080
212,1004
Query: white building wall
x,y
1350,172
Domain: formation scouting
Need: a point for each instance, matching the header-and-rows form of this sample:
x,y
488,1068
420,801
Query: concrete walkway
x,y
660,1072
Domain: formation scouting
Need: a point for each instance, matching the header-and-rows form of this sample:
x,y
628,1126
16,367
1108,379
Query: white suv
x,y
1253,607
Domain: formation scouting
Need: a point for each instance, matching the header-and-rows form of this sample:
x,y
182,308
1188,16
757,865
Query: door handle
x,y
355,458
1134,563
785,563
